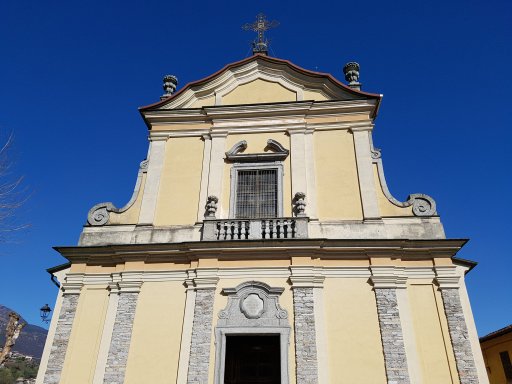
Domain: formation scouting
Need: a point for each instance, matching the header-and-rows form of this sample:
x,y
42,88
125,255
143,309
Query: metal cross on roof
x,y
260,26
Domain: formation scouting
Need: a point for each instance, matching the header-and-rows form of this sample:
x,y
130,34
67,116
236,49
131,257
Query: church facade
x,y
262,245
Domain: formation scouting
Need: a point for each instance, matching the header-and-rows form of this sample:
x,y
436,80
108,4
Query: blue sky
x,y
72,75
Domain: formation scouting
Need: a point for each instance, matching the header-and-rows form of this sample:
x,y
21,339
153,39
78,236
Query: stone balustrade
x,y
255,229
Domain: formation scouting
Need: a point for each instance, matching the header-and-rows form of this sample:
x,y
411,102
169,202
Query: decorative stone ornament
x,y
276,152
253,304
211,207
351,71
299,201
252,309
170,84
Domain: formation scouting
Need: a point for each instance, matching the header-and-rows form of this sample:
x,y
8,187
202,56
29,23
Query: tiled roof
x,y
499,332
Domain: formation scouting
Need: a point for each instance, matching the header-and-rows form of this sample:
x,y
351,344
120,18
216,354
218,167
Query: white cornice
x,y
304,276
255,111
225,82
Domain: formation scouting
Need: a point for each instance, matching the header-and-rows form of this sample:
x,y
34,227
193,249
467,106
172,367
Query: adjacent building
x,y
497,351
262,245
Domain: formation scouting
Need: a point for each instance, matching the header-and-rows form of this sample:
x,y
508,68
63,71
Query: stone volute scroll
x,y
100,214
422,205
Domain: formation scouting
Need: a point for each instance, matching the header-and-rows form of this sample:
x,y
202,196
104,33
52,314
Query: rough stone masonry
x,y
395,357
61,339
459,335
199,362
121,337
305,336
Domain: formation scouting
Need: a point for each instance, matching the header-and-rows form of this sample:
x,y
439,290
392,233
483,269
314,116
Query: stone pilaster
x,y
386,280
129,289
71,294
449,286
365,171
305,336
199,360
304,280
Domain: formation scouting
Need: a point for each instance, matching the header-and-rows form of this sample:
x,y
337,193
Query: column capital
x,y
296,130
361,127
205,282
73,284
306,276
158,136
388,276
205,278
131,282
447,277
129,286
71,288
218,134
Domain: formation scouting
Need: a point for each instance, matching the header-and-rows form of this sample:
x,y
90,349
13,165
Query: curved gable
x,y
260,79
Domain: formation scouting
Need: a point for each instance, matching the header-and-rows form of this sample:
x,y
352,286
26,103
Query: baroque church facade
x,y
262,245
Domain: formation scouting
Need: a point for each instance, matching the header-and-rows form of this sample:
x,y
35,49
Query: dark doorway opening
x,y
252,359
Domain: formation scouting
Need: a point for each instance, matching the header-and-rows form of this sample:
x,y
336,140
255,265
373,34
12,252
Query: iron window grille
x,y
256,191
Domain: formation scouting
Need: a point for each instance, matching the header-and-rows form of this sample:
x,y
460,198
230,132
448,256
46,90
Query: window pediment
x,y
275,152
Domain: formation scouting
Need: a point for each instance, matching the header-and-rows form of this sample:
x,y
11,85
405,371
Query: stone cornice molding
x,y
275,249
280,110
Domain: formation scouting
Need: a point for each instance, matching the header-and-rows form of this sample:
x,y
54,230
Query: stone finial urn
x,y
170,84
351,71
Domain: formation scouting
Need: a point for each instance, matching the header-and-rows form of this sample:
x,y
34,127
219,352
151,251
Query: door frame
x,y
220,347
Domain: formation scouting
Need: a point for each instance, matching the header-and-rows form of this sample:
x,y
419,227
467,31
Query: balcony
x,y
256,229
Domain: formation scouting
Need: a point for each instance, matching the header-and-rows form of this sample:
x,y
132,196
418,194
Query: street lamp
x,y
45,312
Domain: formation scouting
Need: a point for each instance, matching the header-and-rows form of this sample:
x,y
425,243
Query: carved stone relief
x,y
253,304
252,308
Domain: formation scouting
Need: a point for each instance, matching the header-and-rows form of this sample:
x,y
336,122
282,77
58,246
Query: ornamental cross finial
x,y
260,45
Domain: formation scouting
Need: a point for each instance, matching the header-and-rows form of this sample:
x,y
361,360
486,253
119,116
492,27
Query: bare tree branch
x,y
12,193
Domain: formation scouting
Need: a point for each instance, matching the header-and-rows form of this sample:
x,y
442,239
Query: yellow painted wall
x,y
353,333
385,206
180,182
491,350
84,343
432,339
256,143
285,300
338,196
259,91
155,345
131,215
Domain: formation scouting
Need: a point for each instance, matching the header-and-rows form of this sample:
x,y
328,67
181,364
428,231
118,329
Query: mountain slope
x,y
32,337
